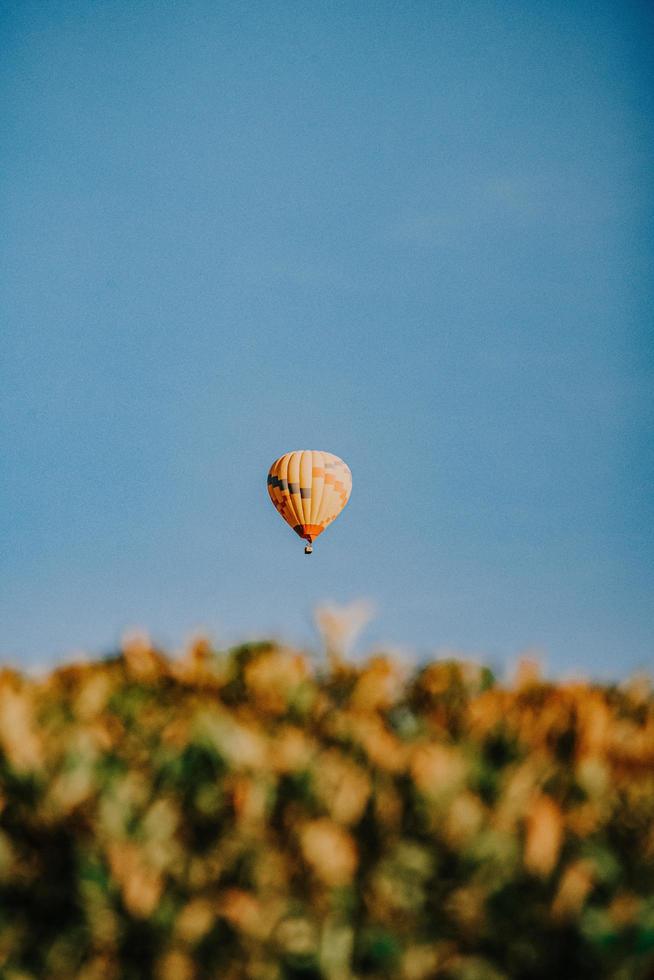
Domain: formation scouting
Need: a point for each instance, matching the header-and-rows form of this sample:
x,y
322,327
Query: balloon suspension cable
x,y
309,549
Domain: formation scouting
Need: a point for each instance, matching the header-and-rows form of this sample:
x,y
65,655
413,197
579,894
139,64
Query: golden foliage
x,y
248,817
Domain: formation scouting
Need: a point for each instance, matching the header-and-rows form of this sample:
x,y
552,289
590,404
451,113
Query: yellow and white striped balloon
x,y
309,489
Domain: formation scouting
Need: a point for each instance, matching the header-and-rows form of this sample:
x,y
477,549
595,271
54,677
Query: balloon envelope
x,y
309,489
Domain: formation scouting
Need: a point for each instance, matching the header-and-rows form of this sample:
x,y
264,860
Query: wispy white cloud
x,y
463,207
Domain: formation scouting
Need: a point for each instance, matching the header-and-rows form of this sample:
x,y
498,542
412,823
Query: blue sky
x,y
416,235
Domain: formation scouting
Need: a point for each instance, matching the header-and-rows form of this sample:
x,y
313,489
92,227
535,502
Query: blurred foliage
x,y
246,816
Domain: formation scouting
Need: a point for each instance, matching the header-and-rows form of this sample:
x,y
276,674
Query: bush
x,y
244,816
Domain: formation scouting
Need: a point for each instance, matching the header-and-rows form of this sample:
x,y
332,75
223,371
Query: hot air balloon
x,y
309,489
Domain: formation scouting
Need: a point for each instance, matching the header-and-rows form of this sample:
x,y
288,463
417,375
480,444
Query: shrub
x,y
246,816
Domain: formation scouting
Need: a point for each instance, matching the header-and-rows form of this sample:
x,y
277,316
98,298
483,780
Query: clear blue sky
x,y
418,235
